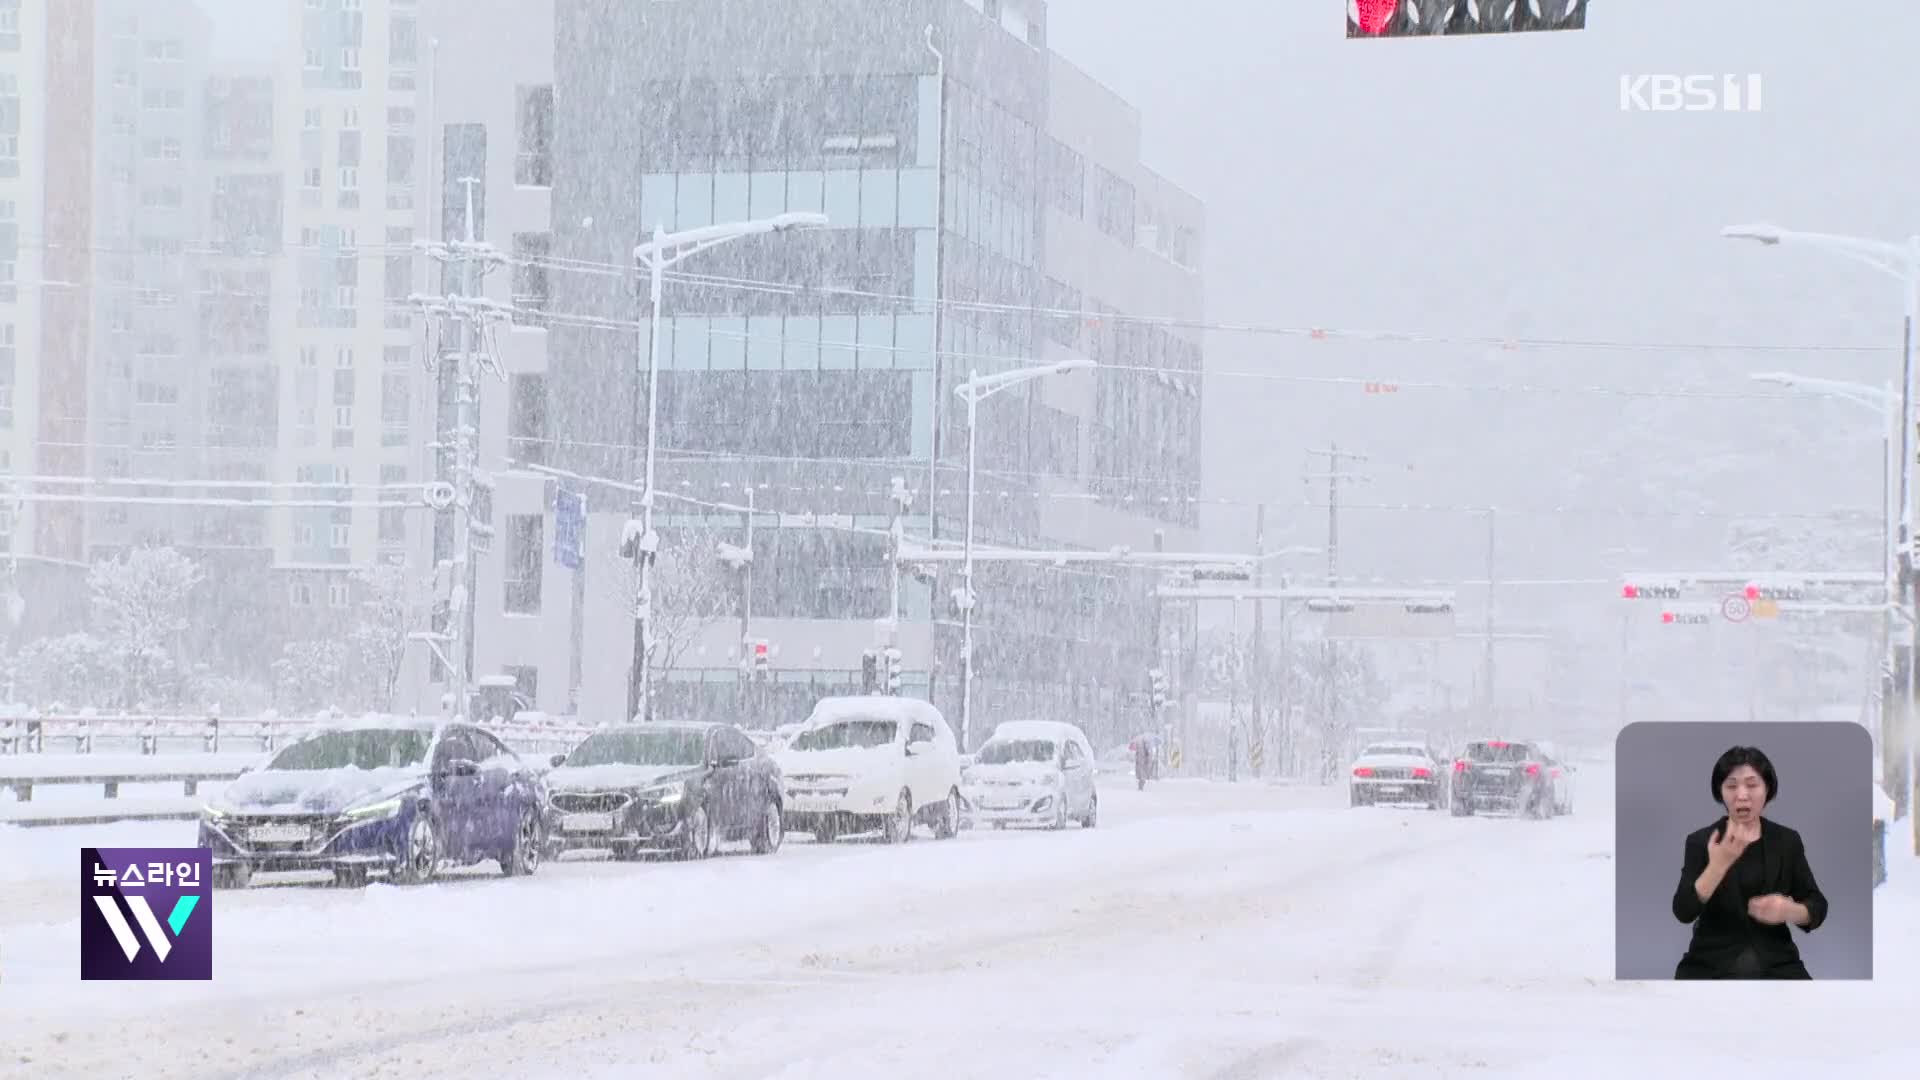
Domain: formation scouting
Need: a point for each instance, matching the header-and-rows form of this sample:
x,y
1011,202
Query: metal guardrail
x,y
162,737
77,733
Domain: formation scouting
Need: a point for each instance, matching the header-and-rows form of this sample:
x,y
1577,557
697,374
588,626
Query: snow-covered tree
x,y
311,674
140,608
387,615
75,670
692,589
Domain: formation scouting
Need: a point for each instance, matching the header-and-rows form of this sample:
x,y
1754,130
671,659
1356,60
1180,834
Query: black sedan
x,y
683,788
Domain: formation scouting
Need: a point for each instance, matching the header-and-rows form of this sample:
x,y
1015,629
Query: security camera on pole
x,y
474,312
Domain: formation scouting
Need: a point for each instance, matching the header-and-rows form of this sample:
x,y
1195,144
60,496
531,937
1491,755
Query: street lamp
x,y
1886,404
664,250
976,389
1901,261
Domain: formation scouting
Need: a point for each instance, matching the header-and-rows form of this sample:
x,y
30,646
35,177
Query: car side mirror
x,y
915,749
557,760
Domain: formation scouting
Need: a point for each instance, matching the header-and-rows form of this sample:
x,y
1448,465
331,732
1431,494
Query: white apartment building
x,y
485,113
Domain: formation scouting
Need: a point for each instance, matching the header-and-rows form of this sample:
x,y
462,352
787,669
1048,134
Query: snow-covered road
x,y
1202,931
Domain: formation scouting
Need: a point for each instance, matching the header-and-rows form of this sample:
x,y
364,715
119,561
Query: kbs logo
x,y
146,913
1690,93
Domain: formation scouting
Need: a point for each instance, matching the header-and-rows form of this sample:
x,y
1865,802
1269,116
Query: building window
x,y
526,554
302,593
394,408
339,595
1066,179
1114,204
341,535
527,440
530,281
533,165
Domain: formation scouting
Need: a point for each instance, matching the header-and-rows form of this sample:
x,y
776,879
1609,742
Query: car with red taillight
x,y
1511,777
1398,773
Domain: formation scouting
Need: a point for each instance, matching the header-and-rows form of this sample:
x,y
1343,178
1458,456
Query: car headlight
x,y
214,814
666,793
379,811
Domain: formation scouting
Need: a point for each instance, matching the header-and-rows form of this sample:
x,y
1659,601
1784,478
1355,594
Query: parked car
x,y
1032,772
1398,772
865,763
682,787
396,795
1501,776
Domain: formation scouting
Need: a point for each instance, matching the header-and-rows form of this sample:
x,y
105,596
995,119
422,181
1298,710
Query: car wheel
x,y
523,858
771,831
232,876
421,856
899,824
1059,813
697,840
1093,813
947,825
350,877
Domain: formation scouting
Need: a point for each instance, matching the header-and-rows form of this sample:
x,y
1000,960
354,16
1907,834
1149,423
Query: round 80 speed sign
x,y
1736,608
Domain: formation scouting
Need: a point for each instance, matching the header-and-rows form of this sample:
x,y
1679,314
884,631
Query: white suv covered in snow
x,y
865,763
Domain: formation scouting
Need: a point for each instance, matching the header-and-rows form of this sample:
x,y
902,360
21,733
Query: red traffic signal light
x,y
1374,16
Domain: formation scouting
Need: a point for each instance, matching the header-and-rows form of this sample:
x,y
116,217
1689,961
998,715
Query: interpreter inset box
x,y
1743,850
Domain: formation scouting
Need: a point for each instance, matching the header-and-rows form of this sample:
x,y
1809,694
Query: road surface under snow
x,y
1203,930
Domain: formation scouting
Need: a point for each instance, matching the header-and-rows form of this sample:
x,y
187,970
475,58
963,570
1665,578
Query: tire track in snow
x,y
599,1005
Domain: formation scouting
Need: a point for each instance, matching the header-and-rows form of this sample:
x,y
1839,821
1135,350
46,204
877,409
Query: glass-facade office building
x,y
806,364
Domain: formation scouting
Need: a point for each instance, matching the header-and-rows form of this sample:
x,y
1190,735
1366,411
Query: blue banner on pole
x,y
569,529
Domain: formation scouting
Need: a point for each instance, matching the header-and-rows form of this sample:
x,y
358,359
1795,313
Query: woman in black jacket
x,y
1745,880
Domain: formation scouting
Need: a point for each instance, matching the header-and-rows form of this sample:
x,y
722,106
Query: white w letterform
x,y
124,933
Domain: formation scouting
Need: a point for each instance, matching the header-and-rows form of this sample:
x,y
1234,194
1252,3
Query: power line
x,y
1314,333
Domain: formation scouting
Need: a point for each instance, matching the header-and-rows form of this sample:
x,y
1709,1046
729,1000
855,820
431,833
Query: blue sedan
x,y
405,797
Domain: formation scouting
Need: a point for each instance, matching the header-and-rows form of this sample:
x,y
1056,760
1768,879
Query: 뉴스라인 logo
x,y
146,913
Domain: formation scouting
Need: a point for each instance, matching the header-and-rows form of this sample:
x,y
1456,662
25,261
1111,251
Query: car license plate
x,y
816,804
1391,789
277,834
588,823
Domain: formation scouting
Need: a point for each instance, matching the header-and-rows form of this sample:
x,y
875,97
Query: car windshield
x,y
669,747
1499,752
847,734
1009,751
376,748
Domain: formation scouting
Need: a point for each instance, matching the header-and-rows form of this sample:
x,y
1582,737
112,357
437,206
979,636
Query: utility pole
x,y
1487,660
1257,736
1334,474
473,311
746,591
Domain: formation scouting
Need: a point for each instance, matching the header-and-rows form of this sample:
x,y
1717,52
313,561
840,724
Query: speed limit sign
x,y
1736,608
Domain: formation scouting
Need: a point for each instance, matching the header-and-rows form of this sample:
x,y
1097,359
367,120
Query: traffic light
x,y
869,672
761,659
1157,687
1454,18
892,670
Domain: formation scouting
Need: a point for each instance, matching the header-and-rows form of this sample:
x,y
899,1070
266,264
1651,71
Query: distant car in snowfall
x,y
1398,772
875,762
683,787
398,795
1032,772
1500,776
